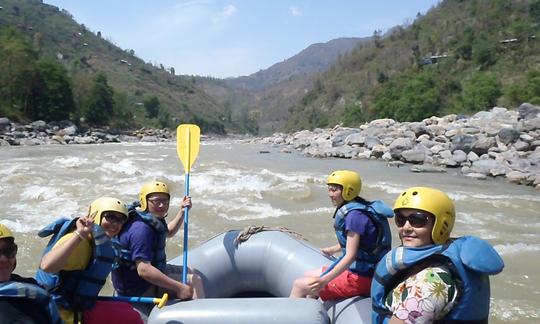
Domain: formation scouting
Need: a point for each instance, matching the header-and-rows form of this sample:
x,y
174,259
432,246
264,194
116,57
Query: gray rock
x,y
472,156
517,177
528,125
528,111
413,156
521,146
39,125
459,156
463,143
399,145
482,145
508,135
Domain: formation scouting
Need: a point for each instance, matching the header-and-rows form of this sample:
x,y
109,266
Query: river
x,y
234,185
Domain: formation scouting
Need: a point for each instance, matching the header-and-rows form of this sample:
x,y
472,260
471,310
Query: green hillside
x,y
460,57
44,50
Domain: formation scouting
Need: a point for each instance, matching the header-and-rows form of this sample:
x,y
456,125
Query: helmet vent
x,y
415,193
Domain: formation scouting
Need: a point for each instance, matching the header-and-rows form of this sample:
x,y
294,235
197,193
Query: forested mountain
x,y
460,57
52,68
315,58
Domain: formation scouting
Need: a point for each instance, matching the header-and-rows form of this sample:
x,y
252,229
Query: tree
x,y
101,102
152,106
52,96
481,92
17,72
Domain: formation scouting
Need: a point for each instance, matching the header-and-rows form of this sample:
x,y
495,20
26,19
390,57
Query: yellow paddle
x,y
187,147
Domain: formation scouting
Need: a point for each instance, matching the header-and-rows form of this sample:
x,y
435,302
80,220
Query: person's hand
x,y
85,224
316,283
184,292
328,251
186,202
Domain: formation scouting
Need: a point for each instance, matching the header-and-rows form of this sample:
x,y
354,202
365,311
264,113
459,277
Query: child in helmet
x,y
22,300
143,270
363,236
432,277
78,260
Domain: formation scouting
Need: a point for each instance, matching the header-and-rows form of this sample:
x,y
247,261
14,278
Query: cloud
x,y
296,12
227,12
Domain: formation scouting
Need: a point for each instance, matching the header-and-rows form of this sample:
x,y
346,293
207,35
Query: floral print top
x,y
424,297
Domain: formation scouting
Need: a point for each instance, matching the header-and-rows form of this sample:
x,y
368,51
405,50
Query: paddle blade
x,y
187,144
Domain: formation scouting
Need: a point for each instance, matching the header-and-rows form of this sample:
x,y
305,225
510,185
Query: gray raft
x,y
251,284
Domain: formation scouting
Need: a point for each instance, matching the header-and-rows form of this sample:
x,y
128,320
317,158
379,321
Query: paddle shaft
x,y
146,300
186,215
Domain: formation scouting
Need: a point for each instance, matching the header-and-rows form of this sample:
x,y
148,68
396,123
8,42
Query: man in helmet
x,y
143,270
432,277
22,300
363,236
78,260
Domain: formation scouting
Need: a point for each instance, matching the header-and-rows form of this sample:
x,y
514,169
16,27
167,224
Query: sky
x,y
230,38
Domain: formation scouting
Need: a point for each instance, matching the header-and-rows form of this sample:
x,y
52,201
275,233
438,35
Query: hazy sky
x,y
236,37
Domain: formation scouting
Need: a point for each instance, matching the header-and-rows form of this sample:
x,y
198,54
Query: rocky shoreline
x,y
66,132
495,143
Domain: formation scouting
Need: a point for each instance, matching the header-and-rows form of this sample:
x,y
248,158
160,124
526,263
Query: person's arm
x,y
395,320
57,257
154,276
353,242
174,225
331,250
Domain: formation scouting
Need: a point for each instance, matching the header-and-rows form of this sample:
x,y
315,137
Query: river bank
x,y
495,143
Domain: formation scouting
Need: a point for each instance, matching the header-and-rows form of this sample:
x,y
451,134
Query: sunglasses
x,y
159,201
416,219
9,251
114,217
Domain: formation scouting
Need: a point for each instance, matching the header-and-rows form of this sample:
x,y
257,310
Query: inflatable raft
x,y
251,282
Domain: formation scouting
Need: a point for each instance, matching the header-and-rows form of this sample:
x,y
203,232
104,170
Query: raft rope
x,y
246,233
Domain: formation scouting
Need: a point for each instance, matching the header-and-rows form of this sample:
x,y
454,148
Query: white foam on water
x,y
516,248
69,162
390,188
125,166
317,211
39,193
241,208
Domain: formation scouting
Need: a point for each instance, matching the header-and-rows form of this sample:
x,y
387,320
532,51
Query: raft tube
x,y
251,282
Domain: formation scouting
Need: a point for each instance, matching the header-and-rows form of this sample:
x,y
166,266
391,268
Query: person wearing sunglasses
x,y
363,236
22,300
77,261
143,269
432,277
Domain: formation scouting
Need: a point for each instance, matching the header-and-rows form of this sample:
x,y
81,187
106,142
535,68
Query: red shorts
x,y
112,312
347,284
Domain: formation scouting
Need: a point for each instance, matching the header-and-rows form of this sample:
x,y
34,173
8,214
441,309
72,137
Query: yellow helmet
x,y
5,232
150,188
104,204
434,202
349,180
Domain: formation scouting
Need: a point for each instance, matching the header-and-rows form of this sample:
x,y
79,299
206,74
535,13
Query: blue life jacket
x,y
378,212
33,293
77,290
159,259
470,260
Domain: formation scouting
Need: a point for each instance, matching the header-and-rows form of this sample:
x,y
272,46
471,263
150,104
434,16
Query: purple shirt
x,y
358,222
140,239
